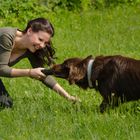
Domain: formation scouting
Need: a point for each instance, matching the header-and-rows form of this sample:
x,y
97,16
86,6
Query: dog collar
x,y
89,70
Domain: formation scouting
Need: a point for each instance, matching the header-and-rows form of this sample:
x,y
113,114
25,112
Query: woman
x,y
33,43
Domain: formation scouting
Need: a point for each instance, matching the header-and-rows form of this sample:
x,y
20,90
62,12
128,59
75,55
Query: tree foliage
x,y
21,10
86,4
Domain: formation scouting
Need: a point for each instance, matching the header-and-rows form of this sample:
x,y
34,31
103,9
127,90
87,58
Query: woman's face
x,y
37,40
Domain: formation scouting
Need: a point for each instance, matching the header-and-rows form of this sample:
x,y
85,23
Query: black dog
x,y
117,78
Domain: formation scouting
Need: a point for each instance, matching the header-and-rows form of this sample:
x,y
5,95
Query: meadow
x,y
41,114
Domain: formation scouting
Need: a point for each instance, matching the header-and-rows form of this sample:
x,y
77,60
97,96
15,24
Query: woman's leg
x,y
5,99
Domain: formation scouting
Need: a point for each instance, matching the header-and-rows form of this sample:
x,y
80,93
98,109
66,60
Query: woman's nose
x,y
42,44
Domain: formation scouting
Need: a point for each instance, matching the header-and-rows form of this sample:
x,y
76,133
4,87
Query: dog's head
x,y
73,69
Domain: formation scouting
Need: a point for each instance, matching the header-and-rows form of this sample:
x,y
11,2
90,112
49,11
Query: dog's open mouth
x,y
47,72
60,75
51,72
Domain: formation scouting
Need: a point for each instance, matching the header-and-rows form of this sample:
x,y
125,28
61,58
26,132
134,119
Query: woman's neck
x,y
20,42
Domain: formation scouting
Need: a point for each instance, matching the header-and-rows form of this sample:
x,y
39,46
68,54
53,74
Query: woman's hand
x,y
74,99
37,74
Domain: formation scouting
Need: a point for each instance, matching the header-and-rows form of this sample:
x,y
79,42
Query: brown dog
x,y
117,78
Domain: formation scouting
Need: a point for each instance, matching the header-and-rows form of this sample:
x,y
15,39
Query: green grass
x,y
40,114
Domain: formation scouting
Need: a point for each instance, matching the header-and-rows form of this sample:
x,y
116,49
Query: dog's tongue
x,y
47,72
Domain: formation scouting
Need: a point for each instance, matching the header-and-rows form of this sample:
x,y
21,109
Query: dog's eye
x,y
65,67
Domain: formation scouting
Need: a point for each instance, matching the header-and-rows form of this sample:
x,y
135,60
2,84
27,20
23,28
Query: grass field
x,y
40,114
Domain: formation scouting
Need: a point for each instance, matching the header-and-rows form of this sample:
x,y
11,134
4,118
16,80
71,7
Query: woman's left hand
x,y
74,99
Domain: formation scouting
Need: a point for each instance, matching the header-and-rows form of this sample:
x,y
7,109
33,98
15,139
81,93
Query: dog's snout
x,y
47,71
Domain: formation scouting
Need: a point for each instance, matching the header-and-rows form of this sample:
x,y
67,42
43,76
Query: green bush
x,y
23,10
28,8
113,3
63,4
86,4
20,11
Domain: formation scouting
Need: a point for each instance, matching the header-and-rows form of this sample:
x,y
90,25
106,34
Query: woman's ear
x,y
29,31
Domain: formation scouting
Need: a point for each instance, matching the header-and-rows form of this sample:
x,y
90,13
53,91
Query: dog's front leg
x,y
104,105
105,93
110,101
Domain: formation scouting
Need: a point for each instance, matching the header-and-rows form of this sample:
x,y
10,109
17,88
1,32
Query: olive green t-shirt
x,y
7,36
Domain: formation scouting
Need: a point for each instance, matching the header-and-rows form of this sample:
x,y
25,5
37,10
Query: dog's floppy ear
x,y
78,72
75,74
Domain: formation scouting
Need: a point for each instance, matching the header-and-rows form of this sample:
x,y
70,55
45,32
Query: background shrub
x,y
16,11
30,8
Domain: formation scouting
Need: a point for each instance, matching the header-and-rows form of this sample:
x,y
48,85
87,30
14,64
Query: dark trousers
x,y
3,90
5,99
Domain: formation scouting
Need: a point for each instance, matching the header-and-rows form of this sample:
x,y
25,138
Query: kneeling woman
x,y
33,43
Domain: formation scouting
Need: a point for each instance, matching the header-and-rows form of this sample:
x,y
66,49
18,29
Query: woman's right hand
x,y
37,74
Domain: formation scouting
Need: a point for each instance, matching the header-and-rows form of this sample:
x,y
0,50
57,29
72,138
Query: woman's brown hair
x,y
45,55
